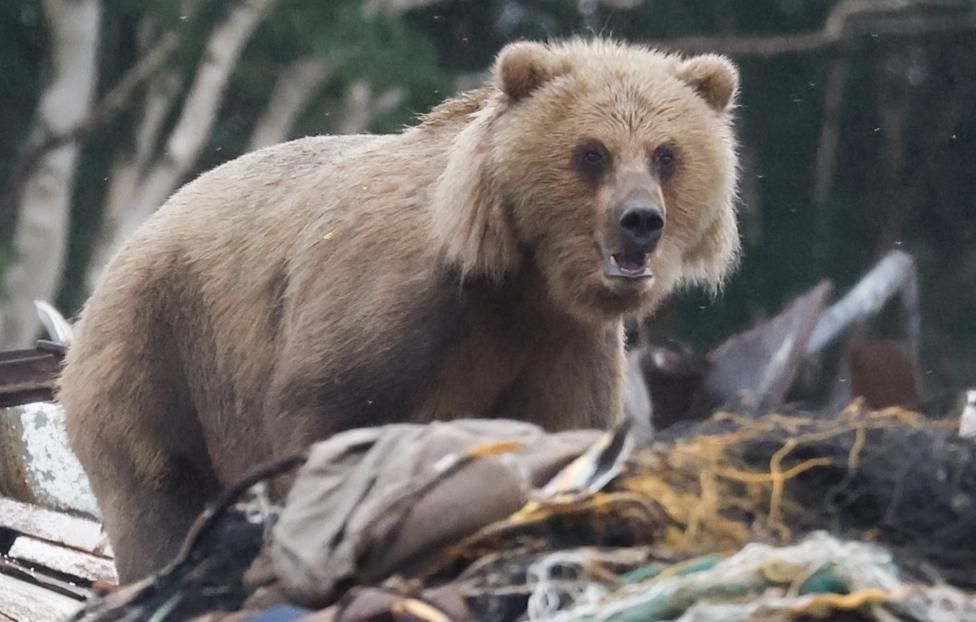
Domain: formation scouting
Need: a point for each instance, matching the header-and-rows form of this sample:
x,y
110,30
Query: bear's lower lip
x,y
627,266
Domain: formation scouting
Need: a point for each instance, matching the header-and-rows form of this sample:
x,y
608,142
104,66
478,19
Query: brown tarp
x,y
372,501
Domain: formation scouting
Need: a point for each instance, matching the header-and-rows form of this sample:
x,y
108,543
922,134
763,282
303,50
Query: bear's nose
x,y
641,224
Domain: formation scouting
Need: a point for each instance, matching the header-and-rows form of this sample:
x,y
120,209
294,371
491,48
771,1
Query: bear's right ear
x,y
713,77
523,67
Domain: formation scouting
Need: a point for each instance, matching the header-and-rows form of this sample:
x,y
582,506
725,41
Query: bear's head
x,y
612,168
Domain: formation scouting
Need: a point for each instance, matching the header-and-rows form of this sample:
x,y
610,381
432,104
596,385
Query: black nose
x,y
641,224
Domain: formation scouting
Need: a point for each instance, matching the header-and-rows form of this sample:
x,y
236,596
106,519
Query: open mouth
x,y
630,265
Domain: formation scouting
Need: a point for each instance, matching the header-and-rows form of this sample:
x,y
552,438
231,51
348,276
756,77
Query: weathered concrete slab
x,y
36,464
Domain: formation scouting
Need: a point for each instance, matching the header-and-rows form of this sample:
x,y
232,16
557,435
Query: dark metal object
x,y
674,379
30,375
752,371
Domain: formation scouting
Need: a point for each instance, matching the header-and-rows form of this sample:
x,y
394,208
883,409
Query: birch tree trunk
x,y
130,165
825,164
191,132
293,91
394,7
360,107
40,241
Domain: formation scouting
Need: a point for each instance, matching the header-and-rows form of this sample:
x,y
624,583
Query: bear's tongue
x,y
627,264
630,264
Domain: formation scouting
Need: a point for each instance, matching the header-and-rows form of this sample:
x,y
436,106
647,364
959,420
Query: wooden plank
x,y
77,533
63,560
70,588
25,602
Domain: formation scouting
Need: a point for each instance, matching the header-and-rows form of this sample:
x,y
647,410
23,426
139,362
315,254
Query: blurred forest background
x,y
857,120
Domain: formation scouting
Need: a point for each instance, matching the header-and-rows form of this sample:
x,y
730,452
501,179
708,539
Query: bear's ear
x,y
713,77
468,209
523,67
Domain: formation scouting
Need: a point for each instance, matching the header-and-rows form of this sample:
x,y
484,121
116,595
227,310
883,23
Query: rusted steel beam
x,y
29,375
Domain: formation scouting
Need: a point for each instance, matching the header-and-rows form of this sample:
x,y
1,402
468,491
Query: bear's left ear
x,y
523,67
713,77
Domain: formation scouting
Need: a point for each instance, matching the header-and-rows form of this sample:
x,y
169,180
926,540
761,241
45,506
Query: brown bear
x,y
478,264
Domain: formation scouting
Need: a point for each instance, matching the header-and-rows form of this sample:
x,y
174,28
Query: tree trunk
x,y
894,108
295,88
826,160
360,107
394,7
192,129
130,165
40,241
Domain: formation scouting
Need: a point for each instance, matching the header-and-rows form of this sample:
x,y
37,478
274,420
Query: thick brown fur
x,y
450,270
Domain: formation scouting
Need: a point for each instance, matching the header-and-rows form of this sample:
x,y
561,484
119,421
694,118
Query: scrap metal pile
x,y
866,515
787,475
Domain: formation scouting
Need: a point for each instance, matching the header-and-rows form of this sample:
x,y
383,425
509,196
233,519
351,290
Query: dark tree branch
x,y
117,98
107,108
830,36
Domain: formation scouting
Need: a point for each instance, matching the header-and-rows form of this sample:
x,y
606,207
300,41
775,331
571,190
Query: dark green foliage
x,y
922,201
22,44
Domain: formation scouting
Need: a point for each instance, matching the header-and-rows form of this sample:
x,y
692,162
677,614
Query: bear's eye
x,y
664,161
592,159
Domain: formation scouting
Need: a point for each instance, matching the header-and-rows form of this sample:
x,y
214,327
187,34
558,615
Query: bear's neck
x,y
510,348
521,304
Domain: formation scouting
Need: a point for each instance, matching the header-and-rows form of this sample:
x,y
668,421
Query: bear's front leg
x,y
577,384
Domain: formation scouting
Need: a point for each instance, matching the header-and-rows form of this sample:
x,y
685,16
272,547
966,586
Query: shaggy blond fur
x,y
450,270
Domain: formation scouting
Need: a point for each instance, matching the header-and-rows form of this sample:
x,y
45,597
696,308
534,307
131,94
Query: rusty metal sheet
x,y
884,373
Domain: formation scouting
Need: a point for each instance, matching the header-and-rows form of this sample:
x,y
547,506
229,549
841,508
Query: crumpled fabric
x,y
374,501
